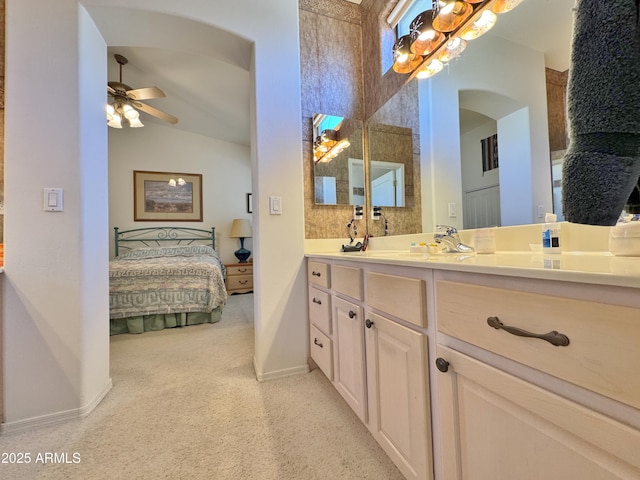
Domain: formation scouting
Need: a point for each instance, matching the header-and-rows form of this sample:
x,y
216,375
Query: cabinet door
x,y
397,377
348,351
496,426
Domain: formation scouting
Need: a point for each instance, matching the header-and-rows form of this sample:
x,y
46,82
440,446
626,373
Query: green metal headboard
x,y
158,236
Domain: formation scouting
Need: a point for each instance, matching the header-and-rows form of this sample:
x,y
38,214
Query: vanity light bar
x,y
480,16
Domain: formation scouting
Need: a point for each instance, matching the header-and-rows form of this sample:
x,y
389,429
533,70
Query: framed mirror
x,y
393,155
338,161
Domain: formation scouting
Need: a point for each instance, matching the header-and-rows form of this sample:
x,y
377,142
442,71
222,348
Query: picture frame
x,y
249,203
167,196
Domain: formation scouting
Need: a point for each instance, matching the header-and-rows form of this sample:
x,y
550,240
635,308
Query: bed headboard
x,y
158,236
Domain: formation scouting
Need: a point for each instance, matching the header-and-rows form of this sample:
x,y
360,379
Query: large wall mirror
x,y
338,161
480,127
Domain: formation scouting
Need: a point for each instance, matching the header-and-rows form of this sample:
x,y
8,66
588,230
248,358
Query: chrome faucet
x,y
450,239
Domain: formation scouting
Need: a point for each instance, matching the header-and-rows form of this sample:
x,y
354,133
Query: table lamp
x,y
241,228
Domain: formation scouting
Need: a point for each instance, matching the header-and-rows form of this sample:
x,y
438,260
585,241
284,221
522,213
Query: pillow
x,y
169,251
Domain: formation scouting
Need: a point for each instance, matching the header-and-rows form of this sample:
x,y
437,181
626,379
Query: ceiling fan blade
x,y
145,93
155,112
110,90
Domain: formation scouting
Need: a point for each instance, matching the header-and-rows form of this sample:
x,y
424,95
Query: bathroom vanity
x,y
503,366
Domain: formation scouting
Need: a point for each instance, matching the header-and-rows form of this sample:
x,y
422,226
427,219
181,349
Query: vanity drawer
x,y
399,296
347,280
320,309
322,351
602,354
318,273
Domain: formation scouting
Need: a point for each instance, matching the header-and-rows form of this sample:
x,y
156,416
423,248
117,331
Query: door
x,y
349,367
495,426
399,407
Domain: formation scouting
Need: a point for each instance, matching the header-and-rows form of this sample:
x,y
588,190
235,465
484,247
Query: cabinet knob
x,y
442,365
315,300
352,314
315,341
368,323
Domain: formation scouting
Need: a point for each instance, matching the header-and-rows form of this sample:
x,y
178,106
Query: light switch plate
x,y
53,199
275,205
452,210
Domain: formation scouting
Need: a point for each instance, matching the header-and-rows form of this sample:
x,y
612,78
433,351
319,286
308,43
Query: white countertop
x,y
583,267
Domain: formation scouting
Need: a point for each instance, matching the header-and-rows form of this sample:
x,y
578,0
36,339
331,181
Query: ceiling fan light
x,y
110,111
115,122
451,15
135,123
129,112
172,182
181,181
479,26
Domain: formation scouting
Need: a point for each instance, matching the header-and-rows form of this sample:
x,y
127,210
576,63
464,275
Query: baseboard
x,y
56,418
287,372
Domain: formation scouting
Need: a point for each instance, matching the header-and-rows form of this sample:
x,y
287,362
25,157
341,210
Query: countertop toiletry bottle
x,y
551,241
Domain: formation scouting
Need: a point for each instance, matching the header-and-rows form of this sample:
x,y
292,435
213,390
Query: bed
x,y
164,277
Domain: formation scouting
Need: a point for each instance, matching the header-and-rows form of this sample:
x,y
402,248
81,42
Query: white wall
x,y
55,305
498,67
56,263
225,169
471,156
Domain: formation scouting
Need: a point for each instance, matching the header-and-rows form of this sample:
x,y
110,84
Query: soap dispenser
x,y
551,234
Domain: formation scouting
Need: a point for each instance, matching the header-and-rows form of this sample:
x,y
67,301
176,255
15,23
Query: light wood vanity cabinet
x,y
532,378
510,409
380,364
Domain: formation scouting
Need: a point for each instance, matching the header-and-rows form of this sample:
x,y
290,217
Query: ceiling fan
x,y
126,102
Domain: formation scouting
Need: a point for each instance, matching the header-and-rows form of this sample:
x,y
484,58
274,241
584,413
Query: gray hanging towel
x,y
602,165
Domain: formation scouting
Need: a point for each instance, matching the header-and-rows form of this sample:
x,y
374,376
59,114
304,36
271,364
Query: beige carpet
x,y
186,405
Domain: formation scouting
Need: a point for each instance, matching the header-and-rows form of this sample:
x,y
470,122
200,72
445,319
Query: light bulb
x,y
433,67
479,26
172,182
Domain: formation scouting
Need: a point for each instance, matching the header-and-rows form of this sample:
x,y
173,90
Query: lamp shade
x,y
241,228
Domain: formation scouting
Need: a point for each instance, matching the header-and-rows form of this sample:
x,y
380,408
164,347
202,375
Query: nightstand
x,y
239,278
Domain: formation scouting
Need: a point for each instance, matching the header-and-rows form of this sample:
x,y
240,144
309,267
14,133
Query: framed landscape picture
x,y
166,196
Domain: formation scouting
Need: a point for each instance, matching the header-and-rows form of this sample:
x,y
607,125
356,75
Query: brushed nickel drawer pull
x,y
315,274
315,300
554,338
315,341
